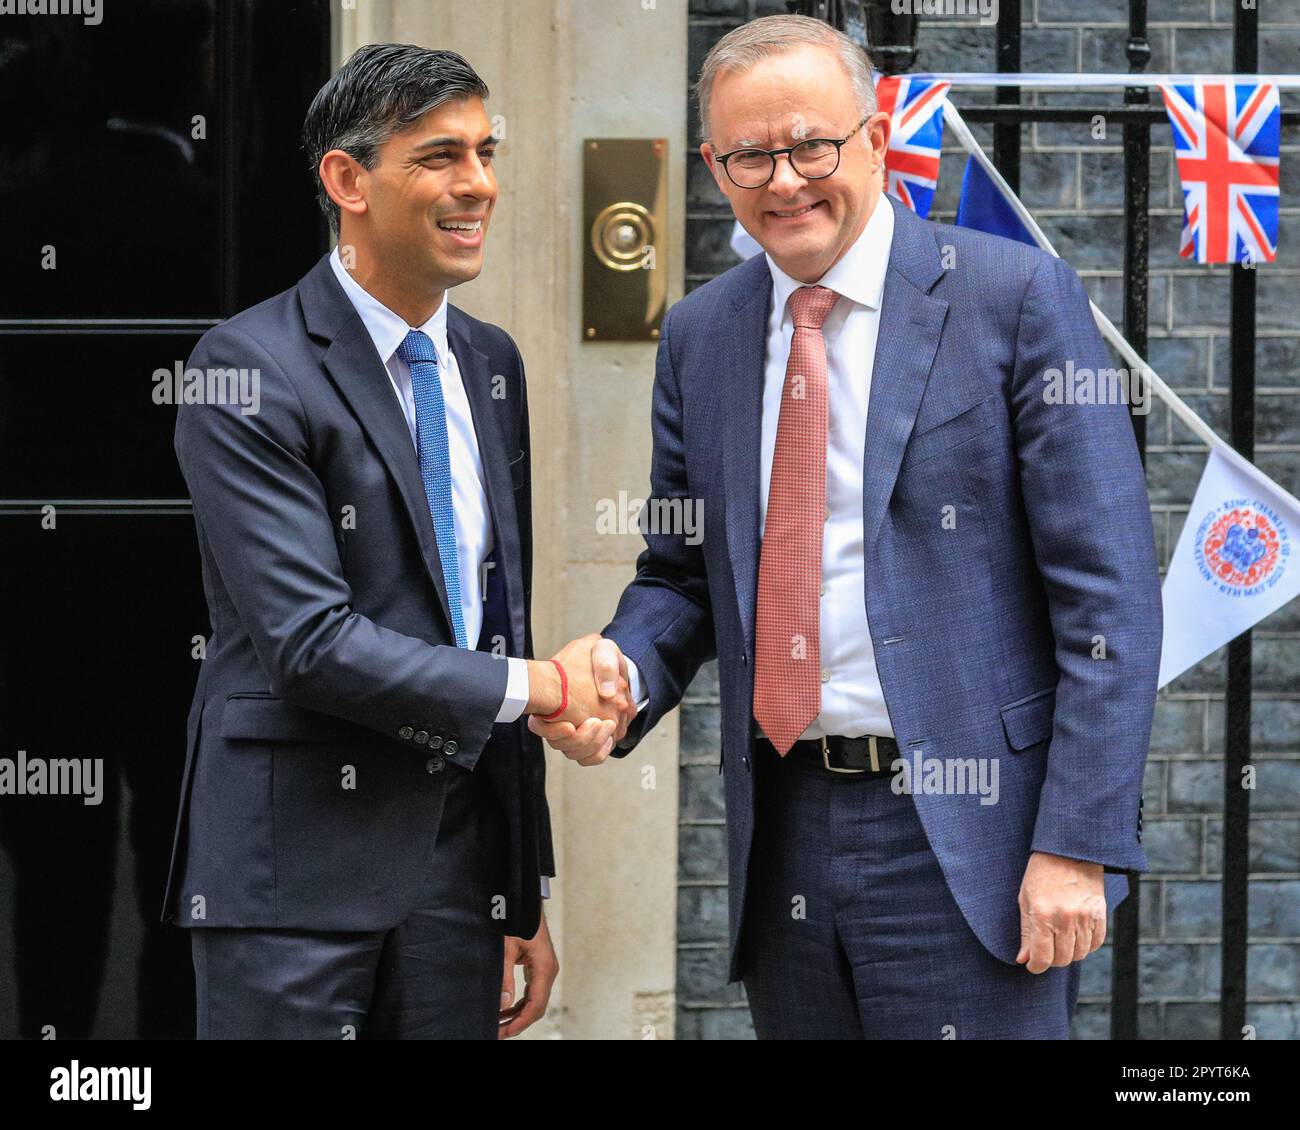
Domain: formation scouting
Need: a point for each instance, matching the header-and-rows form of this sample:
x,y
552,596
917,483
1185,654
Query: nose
x,y
786,181
478,181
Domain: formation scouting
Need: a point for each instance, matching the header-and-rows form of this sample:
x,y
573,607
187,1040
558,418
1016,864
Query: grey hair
x,y
743,47
381,89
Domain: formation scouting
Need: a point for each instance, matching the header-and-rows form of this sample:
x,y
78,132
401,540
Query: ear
x,y
876,131
706,151
345,179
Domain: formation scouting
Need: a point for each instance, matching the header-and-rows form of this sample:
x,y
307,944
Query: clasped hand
x,y
600,701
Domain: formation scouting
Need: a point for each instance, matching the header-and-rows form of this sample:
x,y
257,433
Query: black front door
x,y
152,184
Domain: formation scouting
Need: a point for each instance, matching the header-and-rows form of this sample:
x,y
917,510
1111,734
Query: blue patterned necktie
x,y
434,454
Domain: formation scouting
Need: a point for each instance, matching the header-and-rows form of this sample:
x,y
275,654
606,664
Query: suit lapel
x,y
362,380
908,338
476,375
741,386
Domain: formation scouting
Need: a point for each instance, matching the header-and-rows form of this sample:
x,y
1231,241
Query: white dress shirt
x,y
468,495
853,702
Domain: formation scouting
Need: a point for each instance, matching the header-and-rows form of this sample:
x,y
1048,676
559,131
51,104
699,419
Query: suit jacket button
x,y
434,765
421,736
745,759
450,749
435,741
405,733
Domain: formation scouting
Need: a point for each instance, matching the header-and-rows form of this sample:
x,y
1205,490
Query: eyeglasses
x,y
812,158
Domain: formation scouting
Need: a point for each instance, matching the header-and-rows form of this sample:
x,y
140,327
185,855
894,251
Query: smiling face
x,y
419,218
805,225
431,194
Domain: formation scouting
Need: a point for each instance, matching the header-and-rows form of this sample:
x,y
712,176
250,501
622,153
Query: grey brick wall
x,y
1074,186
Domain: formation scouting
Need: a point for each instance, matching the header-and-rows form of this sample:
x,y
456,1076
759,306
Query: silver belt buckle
x,y
826,757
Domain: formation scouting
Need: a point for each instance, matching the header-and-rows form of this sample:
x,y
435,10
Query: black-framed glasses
x,y
813,158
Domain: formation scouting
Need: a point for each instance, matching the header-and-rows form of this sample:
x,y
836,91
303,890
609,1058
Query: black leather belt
x,y
868,754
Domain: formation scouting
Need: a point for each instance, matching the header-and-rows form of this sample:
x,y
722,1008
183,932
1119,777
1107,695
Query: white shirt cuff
x,y
634,686
516,690
546,886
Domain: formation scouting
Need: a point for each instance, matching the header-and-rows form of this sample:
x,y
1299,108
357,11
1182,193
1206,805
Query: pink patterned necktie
x,y
787,656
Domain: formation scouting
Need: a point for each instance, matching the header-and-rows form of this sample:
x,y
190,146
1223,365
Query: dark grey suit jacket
x,y
332,649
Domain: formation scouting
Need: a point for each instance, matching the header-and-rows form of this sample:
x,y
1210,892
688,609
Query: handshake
x,y
600,706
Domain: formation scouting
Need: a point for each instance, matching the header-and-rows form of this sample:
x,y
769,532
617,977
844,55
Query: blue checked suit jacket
x,y
984,634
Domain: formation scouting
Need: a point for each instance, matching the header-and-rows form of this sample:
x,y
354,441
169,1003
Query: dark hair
x,y
381,89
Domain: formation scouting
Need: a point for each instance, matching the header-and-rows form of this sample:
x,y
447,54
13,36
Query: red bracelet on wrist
x,y
564,695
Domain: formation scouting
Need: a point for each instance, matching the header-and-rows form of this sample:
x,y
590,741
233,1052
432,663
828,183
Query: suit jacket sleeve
x,y
664,622
1085,498
263,513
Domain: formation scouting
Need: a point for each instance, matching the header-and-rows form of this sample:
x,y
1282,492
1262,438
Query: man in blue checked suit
x,y
363,843
931,590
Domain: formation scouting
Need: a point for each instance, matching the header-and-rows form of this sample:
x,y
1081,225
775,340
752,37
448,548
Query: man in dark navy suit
x,y
363,818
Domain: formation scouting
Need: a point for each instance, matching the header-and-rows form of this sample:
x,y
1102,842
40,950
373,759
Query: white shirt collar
x,y
860,273
387,329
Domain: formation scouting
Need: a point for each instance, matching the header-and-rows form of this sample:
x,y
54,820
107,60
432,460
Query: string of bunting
x,y
1226,132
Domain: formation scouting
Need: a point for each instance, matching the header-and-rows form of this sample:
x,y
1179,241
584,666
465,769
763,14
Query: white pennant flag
x,y
1234,562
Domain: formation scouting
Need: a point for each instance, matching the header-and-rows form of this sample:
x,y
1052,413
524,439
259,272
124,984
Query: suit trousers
x,y
437,975
850,931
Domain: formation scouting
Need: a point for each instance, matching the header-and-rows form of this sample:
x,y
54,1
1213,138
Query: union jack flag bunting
x,y
1226,139
915,108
